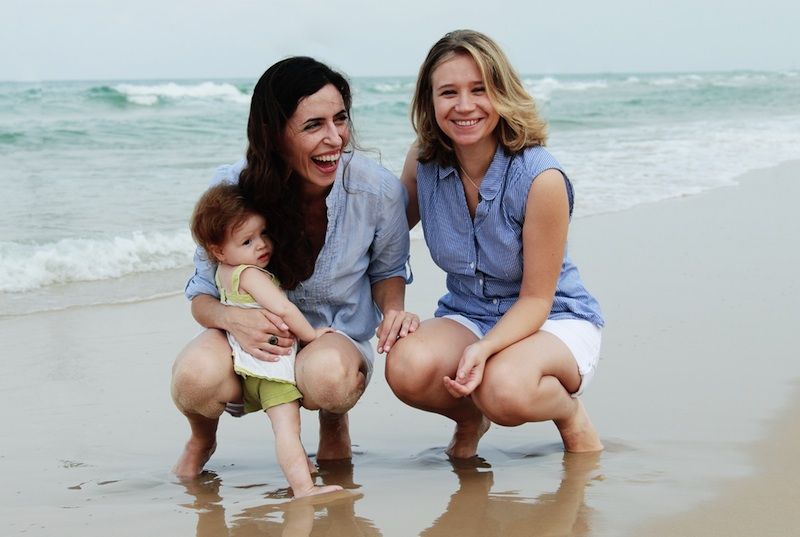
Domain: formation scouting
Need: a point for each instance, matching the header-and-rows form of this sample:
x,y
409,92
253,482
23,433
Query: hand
x,y
469,373
261,333
395,324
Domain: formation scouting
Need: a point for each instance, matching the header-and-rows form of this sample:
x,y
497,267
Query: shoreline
x,y
171,281
692,398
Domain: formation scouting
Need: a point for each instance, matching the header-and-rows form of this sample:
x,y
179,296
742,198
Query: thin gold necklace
x,y
473,183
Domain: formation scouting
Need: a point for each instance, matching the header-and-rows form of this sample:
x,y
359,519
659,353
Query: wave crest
x,y
24,267
153,94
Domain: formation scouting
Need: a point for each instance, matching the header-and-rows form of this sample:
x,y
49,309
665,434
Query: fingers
x,y
263,355
272,349
456,389
395,324
276,321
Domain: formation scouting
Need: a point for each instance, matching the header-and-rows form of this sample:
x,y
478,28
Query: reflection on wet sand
x,y
327,514
474,511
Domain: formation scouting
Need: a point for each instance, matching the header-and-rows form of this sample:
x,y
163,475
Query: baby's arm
x,y
270,297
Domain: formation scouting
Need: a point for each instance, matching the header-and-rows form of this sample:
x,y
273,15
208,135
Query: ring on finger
x,y
273,340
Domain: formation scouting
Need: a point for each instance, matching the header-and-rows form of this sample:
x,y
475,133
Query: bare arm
x,y
251,328
544,237
389,295
409,179
269,296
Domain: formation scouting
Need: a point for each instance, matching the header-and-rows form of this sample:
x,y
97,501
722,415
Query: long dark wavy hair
x,y
267,181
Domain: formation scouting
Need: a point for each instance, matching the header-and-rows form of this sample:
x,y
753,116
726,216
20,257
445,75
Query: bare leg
x,y
532,381
202,382
291,455
334,437
330,376
415,368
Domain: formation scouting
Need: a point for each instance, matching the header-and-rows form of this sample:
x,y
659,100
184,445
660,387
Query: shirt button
x,y
480,281
471,264
494,301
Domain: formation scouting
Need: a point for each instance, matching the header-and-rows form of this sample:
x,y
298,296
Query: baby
x,y
235,236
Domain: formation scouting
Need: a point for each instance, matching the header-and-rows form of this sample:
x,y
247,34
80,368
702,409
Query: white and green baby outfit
x,y
266,384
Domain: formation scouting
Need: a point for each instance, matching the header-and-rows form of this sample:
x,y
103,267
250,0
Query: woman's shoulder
x,y
366,175
532,161
228,173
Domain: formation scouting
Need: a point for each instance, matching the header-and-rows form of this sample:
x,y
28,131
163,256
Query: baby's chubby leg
x,y
292,457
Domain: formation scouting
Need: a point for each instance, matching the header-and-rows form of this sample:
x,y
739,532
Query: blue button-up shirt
x,y
366,242
483,257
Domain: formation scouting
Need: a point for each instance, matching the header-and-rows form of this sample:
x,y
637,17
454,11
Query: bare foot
x,y
466,437
194,457
578,433
334,437
314,490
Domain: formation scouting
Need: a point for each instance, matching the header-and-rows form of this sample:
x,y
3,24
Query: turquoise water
x,y
100,177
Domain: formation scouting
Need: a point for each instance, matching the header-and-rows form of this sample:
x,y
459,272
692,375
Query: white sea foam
x,y
149,95
392,87
543,88
618,168
24,267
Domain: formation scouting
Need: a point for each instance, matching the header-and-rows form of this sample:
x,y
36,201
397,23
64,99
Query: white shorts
x,y
581,337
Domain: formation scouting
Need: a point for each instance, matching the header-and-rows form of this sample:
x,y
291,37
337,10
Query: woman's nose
x,y
464,102
332,134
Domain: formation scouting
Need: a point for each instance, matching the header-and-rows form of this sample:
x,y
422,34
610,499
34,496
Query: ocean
x,y
100,177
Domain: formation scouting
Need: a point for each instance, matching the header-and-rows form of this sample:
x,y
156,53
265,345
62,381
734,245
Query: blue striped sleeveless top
x,y
483,257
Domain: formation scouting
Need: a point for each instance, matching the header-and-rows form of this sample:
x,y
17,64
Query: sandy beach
x,y
697,399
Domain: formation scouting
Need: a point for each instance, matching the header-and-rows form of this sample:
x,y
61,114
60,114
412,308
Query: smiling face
x,y
246,244
315,136
461,105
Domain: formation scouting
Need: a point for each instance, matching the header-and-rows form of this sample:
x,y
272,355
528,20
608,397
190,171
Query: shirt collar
x,y
495,174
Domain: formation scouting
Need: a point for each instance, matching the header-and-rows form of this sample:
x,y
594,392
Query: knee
x,y
502,399
197,380
410,365
334,383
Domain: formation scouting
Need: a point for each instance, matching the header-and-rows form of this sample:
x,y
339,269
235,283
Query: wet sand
x,y
697,399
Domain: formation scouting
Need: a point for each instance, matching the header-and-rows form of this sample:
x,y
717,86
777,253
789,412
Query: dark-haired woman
x,y
341,248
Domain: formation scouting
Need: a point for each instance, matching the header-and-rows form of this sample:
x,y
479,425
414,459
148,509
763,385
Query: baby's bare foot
x,y
315,490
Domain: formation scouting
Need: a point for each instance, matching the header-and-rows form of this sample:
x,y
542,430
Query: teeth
x,y
466,122
328,158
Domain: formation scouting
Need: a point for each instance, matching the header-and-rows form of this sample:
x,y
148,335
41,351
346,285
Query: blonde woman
x,y
516,339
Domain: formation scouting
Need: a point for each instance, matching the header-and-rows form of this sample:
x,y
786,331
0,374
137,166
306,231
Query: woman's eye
x,y
247,242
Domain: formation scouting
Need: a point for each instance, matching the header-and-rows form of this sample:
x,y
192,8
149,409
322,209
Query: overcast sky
x,y
166,39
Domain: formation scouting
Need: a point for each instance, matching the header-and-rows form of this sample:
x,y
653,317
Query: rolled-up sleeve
x,y
202,281
389,254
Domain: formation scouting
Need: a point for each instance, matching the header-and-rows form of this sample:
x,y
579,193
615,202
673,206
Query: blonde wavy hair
x,y
520,125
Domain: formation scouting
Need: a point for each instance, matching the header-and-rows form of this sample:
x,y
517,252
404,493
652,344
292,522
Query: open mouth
x,y
328,161
466,122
